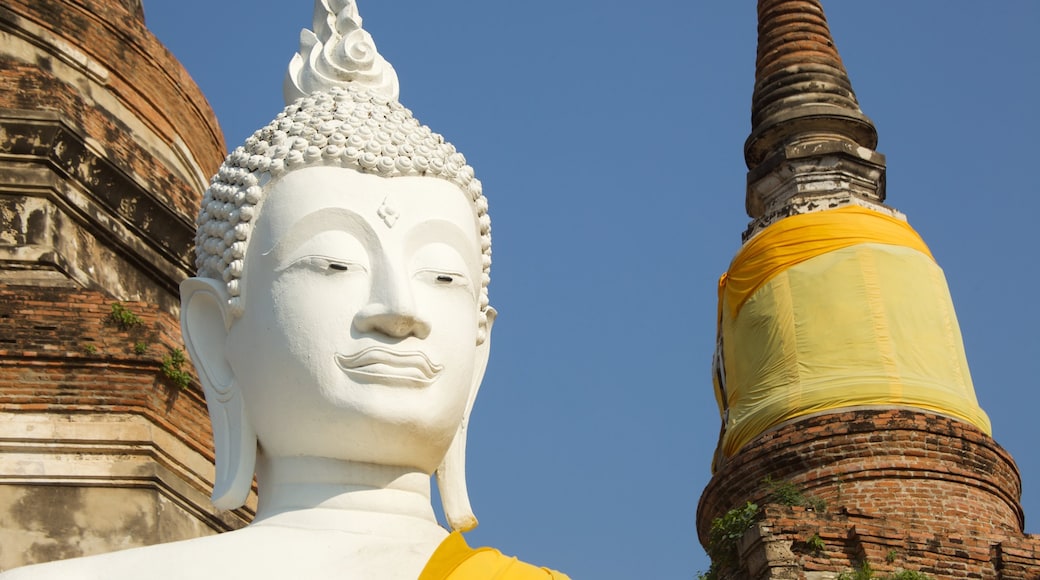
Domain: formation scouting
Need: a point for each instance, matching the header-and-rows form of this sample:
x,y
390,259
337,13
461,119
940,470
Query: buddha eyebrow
x,y
444,231
328,219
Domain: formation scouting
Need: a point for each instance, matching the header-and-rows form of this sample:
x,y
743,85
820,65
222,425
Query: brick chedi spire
x,y
801,87
804,110
849,418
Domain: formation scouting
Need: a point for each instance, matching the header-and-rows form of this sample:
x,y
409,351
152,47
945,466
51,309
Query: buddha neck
x,y
328,494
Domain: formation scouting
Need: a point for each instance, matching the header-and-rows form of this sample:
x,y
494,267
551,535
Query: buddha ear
x,y
451,475
205,321
481,358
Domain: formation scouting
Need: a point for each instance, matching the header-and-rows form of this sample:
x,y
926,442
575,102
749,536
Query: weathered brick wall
x,y
104,43
105,148
60,350
795,543
98,117
904,490
25,87
95,432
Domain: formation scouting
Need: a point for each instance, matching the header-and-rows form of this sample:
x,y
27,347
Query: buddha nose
x,y
391,308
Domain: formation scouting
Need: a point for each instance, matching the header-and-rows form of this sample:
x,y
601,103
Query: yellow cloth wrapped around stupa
x,y
837,309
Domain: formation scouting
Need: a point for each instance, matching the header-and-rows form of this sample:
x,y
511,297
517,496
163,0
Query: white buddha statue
x,y
340,326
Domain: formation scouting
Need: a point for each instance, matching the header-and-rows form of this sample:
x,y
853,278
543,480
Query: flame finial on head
x,y
336,52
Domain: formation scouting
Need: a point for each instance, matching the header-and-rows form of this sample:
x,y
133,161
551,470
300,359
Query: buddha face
x,y
359,327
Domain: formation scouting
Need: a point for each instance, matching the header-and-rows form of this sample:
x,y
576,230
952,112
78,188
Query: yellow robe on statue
x,y
455,560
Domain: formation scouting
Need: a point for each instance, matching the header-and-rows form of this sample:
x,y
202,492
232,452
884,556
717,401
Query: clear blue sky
x,y
609,139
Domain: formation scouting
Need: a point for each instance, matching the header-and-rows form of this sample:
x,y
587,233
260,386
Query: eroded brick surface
x,y
105,147
904,490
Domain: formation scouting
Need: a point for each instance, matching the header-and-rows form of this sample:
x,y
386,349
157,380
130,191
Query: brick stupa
x,y
106,145
849,416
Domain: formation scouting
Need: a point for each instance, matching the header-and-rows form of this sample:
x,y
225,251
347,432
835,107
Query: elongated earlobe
x,y
205,320
451,475
451,482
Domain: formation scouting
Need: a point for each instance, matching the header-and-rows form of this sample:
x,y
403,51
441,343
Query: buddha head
x,y
340,308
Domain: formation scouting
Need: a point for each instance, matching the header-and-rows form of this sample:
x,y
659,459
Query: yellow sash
x,y
798,238
455,560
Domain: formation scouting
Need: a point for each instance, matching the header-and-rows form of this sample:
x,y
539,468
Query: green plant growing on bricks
x,y
725,532
173,368
815,543
786,493
862,572
124,317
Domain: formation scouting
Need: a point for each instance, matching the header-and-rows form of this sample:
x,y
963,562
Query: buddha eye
x,y
326,265
439,277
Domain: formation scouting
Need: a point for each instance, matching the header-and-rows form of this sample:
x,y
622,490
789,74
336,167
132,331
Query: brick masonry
x,y
904,490
54,49
60,350
105,147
